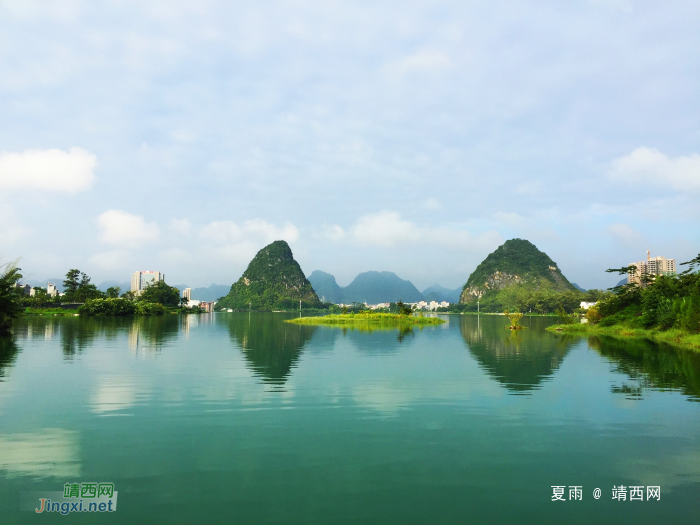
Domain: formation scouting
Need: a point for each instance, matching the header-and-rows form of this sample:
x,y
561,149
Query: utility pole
x,y
300,305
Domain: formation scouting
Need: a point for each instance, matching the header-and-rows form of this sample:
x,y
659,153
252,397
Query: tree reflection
x,y
520,360
270,346
8,354
652,365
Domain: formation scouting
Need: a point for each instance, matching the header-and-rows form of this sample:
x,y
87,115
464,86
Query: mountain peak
x,y
273,277
515,262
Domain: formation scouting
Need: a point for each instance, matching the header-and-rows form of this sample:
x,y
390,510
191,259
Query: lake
x,y
242,418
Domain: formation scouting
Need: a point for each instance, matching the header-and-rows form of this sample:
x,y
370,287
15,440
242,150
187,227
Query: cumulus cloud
x,y
387,229
258,229
50,170
649,166
122,228
333,232
180,226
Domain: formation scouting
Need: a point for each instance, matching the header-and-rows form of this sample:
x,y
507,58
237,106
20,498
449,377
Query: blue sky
x,y
413,137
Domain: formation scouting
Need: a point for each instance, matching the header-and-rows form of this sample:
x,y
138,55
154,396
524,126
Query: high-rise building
x,y
51,290
651,267
187,293
142,280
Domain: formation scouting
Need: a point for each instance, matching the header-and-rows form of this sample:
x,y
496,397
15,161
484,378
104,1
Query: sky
x,y
404,136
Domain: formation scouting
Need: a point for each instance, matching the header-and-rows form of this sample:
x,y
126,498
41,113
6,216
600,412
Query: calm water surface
x,y
241,418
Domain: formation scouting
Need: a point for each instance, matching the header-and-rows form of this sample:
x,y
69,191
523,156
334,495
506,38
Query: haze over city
x,y
398,136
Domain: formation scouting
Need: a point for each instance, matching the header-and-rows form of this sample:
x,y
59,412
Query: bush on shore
x,y
119,306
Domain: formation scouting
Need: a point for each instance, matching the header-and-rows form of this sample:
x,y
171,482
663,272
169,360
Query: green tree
x,y
161,293
113,292
10,296
71,282
78,288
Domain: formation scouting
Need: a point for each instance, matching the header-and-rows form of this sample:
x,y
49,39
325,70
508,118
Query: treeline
x,y
658,302
521,298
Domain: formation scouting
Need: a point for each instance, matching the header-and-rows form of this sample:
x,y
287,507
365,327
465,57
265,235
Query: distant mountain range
x,y
440,293
370,287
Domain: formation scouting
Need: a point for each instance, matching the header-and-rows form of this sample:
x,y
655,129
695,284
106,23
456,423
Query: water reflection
x,y
8,355
148,335
47,452
650,365
519,360
271,348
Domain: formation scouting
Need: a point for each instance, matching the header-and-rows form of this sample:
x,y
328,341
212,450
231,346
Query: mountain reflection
x,y
651,365
520,360
270,347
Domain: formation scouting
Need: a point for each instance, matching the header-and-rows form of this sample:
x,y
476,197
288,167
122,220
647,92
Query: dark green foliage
x,y
118,306
161,293
564,317
10,296
78,288
522,258
664,302
113,291
272,278
403,309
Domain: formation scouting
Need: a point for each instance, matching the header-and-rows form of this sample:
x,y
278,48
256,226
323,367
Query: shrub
x,y
119,306
689,313
593,315
112,306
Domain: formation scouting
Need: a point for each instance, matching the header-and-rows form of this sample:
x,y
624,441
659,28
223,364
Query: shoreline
x,y
674,336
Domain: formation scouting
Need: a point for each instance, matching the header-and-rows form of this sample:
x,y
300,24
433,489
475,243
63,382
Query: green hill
x,y
273,280
516,263
380,287
325,287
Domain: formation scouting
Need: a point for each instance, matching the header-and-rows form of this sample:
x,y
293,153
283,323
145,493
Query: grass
x,y
50,311
674,336
367,318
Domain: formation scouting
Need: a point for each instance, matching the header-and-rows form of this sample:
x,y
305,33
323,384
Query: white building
x,y
651,267
51,290
187,294
142,280
586,305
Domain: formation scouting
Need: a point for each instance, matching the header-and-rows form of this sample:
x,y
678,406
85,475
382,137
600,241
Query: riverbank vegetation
x,y
368,317
10,296
663,307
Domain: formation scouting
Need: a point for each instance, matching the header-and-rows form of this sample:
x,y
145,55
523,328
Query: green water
x,y
241,418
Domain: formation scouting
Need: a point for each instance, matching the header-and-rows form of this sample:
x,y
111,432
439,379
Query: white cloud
x,y
114,260
626,235
256,229
432,204
180,226
11,230
333,232
384,229
387,229
424,61
648,166
122,228
51,170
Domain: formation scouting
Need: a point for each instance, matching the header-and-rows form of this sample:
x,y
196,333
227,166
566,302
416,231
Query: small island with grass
x,y
368,318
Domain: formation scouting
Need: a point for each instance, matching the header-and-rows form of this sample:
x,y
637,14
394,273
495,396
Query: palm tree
x,y
10,295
